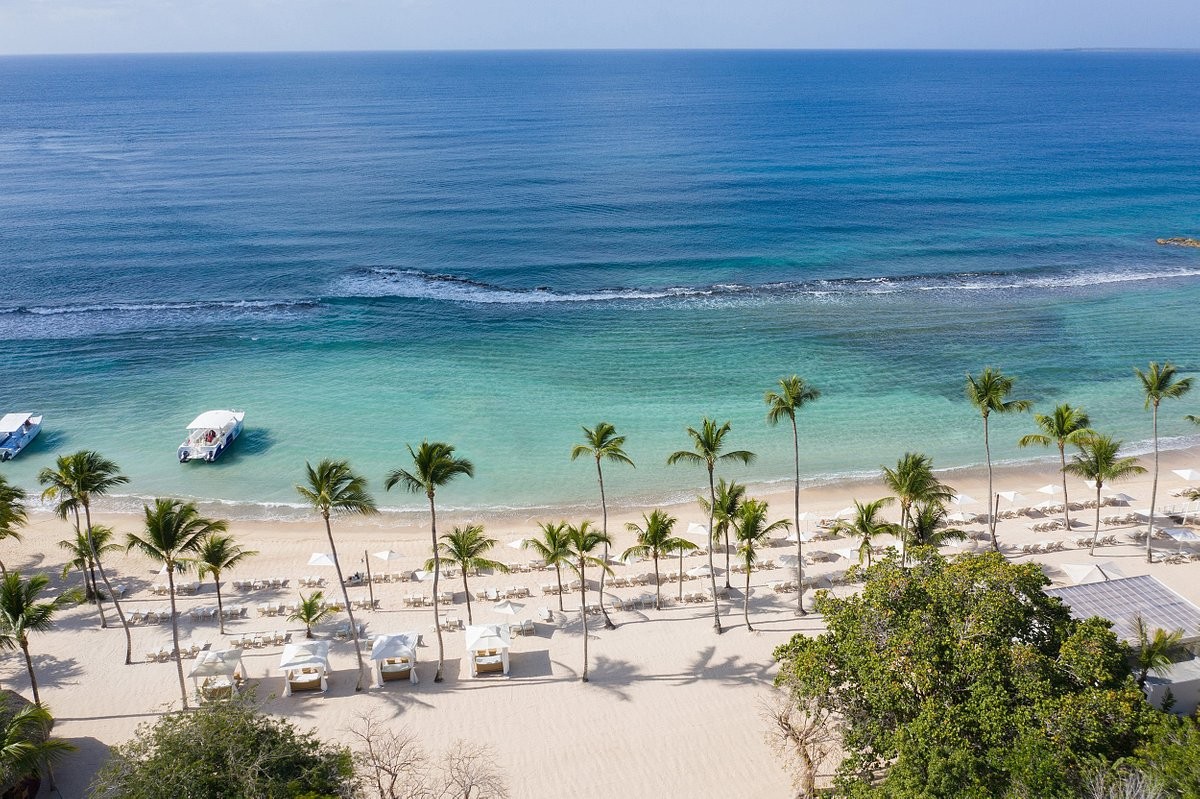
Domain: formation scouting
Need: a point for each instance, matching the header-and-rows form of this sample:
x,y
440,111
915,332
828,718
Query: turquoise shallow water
x,y
492,249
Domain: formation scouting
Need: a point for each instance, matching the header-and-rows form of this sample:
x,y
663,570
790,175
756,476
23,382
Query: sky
x,y
124,26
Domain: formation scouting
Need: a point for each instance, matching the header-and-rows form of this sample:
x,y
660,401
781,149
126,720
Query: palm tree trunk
x,y
1096,533
175,634
337,565
727,569
87,511
746,598
657,588
1062,459
1153,491
987,451
467,591
220,607
91,565
799,543
681,574
583,615
29,667
608,625
712,573
558,573
437,570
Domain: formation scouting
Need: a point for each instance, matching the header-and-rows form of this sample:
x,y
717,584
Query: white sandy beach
x,y
671,709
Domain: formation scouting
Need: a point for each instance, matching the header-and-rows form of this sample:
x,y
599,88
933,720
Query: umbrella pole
x,y
370,582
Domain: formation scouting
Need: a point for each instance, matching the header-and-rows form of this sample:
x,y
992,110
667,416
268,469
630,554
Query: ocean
x,y
492,249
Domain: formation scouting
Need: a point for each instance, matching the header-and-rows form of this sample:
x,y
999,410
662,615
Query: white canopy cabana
x,y
305,666
216,673
1081,573
395,657
487,646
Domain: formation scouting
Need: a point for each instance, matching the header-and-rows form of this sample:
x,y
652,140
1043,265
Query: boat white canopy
x,y
213,420
12,422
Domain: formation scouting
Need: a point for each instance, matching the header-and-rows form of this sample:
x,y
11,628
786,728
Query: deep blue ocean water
x,y
495,248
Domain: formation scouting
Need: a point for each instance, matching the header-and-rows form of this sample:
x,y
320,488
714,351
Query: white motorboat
x,y
16,431
210,434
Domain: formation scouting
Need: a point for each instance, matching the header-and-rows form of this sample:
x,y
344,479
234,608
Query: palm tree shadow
x,y
613,675
53,670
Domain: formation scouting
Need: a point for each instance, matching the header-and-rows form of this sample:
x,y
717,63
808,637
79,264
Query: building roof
x,y
1121,601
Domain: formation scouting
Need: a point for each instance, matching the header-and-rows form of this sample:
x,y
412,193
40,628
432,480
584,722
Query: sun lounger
x,y
545,615
396,669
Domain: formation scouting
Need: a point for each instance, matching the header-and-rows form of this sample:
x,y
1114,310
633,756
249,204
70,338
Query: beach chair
x,y
527,627
545,615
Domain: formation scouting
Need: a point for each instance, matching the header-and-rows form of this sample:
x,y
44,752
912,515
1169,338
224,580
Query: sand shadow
x,y
530,664
74,773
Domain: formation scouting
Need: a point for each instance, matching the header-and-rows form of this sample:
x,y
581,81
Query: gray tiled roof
x,y
1121,600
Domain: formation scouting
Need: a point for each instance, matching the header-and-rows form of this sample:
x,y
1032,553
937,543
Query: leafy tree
x,y
467,548
583,539
333,487
1155,651
964,679
71,485
793,394
602,443
1067,425
215,554
311,610
12,513
913,481
724,513
1159,382
708,444
26,749
753,532
553,548
654,540
434,465
927,520
1099,460
173,532
989,394
1169,754
80,555
866,525
225,750
21,613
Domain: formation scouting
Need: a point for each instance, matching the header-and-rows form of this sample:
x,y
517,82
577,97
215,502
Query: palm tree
x,y
1099,461
72,483
21,614
724,514
27,747
928,525
866,525
1155,652
333,487
1067,425
467,548
434,465
582,541
1159,382
752,532
707,443
603,444
553,548
989,394
913,481
793,394
215,554
12,513
312,610
681,545
174,530
654,540
81,555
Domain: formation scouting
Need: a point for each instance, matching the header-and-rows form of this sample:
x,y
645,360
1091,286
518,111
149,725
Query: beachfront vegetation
x,y
1099,461
655,538
913,481
930,527
964,679
215,554
723,513
467,548
23,611
225,750
312,610
330,488
71,485
1067,425
582,541
26,746
793,394
1155,650
433,466
602,443
708,444
80,553
12,513
989,394
1158,382
553,548
867,524
753,532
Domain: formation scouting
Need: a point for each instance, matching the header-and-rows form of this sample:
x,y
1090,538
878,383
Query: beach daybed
x,y
487,647
395,658
217,674
305,667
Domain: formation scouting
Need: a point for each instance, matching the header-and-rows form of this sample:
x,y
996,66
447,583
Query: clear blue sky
x,y
84,26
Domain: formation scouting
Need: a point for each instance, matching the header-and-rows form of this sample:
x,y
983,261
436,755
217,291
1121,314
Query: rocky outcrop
x,y
1179,241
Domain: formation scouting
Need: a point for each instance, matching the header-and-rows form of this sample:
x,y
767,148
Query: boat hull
x,y
192,451
12,444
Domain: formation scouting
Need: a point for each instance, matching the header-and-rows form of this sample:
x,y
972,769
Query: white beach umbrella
x,y
508,607
846,512
848,553
1082,573
518,543
420,574
965,499
806,516
699,571
960,517
1120,497
1191,475
1011,496
321,559
695,528
1180,534
1050,488
789,560
387,554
